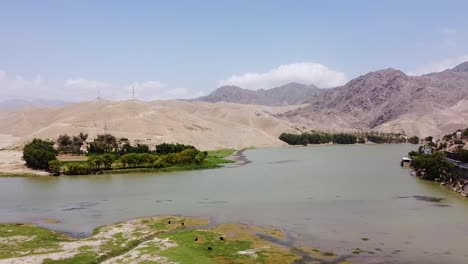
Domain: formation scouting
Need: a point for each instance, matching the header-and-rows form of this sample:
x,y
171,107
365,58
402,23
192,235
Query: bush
x,y
160,163
414,140
39,153
166,148
433,166
77,169
55,167
200,157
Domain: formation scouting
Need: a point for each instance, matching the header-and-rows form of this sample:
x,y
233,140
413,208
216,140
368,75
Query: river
x,y
335,198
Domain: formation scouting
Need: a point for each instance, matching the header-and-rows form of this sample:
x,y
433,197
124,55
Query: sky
x,y
69,50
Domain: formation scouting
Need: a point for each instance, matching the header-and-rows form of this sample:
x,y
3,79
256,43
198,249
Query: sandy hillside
x,y
204,125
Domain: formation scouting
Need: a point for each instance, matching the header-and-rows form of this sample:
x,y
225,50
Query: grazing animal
x,y
169,222
182,223
196,239
210,248
221,238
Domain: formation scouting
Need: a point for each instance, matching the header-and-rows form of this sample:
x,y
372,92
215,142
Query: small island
x,y
107,154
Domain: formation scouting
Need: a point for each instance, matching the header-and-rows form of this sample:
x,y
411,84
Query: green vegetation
x,y
151,240
413,140
71,145
15,239
106,156
316,137
39,153
188,159
433,166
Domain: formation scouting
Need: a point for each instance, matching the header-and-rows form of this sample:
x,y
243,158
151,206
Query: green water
x,y
327,196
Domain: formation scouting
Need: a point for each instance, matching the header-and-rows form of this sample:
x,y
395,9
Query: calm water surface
x,y
328,196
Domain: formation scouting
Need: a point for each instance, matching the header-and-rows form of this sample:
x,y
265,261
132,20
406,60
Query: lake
x,y
335,198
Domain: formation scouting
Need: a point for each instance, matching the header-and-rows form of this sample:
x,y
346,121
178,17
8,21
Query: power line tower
x,y
133,92
99,95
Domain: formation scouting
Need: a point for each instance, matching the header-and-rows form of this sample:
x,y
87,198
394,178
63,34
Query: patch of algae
x,y
167,240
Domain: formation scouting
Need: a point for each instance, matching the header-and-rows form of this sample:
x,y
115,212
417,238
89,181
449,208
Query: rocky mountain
x,y
289,94
374,99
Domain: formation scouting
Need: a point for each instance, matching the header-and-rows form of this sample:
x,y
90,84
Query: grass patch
x,y
14,175
20,239
81,258
189,250
151,239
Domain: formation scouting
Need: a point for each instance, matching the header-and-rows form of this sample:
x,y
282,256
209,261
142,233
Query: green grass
x,y
20,239
13,175
81,258
74,162
190,250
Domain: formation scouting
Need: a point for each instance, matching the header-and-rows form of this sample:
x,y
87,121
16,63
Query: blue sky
x,y
168,49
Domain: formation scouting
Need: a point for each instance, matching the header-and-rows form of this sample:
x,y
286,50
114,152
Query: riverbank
x,y
165,239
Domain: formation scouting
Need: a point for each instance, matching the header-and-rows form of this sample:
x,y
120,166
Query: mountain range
x,y
288,94
387,100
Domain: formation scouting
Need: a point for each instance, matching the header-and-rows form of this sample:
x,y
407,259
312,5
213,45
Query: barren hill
x,y
205,125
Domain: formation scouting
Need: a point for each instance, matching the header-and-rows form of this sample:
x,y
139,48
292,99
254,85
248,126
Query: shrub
x,y
200,157
39,153
55,167
77,169
433,166
160,163
166,148
413,140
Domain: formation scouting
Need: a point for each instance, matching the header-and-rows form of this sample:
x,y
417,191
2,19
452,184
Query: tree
x,y
429,139
55,167
413,140
200,157
64,142
39,153
105,143
166,148
433,166
108,160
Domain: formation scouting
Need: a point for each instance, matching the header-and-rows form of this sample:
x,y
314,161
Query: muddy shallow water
x,y
350,200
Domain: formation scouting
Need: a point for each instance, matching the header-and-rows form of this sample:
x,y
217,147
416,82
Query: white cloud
x,y
82,89
85,83
439,65
306,72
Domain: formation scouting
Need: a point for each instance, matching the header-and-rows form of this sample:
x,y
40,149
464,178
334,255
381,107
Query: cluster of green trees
x,y
166,148
316,137
38,153
71,144
104,153
433,166
108,161
186,156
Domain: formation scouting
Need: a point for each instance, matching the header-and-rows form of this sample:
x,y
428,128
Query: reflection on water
x,y
329,196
